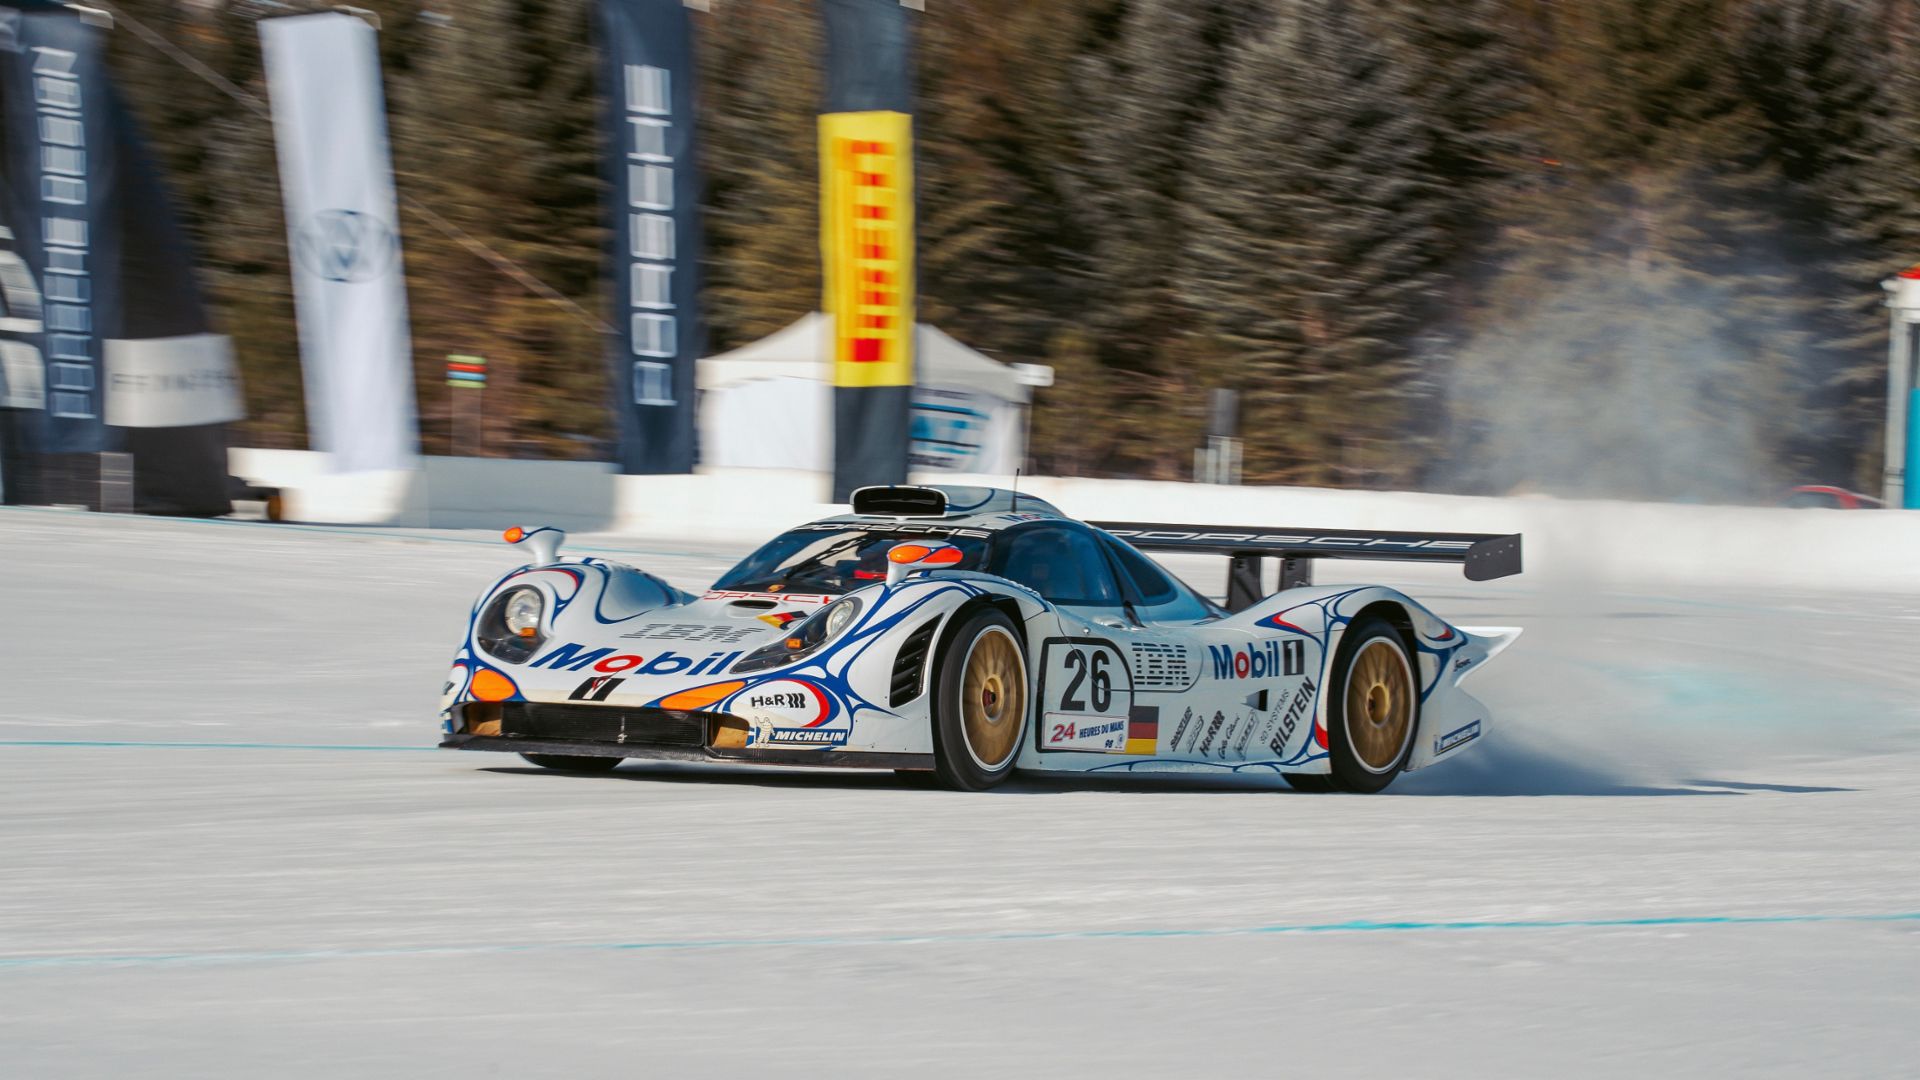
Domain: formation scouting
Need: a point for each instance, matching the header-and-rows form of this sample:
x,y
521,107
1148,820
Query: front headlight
x,y
839,614
803,640
522,611
509,628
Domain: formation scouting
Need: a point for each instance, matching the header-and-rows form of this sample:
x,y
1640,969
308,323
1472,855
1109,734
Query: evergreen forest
x,y
1626,248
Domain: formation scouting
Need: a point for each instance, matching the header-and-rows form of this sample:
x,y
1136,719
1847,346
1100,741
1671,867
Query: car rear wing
x,y
1485,556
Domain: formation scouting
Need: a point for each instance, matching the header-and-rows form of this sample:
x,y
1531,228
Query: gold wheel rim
x,y
993,698
1379,705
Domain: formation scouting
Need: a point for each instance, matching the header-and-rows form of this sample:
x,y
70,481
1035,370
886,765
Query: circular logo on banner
x,y
347,245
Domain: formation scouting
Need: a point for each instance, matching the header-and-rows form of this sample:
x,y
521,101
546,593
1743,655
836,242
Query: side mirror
x,y
904,559
543,542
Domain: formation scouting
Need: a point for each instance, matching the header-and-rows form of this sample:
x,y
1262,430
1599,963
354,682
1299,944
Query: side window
x,y
1065,566
1155,594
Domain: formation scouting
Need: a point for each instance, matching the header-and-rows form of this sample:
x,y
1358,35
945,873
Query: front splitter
x,y
817,759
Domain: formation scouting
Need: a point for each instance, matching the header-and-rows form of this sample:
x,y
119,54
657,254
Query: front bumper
x,y
820,759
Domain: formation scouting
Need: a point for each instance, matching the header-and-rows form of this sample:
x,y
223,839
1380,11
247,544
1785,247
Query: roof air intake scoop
x,y
900,501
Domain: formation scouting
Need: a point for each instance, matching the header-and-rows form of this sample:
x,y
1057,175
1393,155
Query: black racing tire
x,y
1376,682
570,763
981,703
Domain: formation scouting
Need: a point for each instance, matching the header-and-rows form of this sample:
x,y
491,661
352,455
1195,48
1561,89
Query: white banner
x,y
172,382
330,124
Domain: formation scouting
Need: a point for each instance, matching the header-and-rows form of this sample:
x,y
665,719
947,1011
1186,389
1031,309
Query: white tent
x,y
770,404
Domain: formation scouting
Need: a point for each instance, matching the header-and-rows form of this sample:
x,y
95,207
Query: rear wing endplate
x,y
1485,556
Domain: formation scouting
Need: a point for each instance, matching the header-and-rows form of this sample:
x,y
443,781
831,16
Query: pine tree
x,y
1143,99
1469,85
1809,69
1874,226
760,99
999,239
1641,340
498,137
1314,245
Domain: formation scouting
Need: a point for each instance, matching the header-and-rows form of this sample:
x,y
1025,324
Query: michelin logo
x,y
808,736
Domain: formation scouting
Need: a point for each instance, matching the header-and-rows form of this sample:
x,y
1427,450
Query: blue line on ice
x,y
148,745
986,938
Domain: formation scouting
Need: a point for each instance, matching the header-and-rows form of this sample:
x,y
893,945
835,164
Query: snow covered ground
x,y
1689,848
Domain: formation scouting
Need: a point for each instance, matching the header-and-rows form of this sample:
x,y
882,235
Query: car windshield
x,y
814,561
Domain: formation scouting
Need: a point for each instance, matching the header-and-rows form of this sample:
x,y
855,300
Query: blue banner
x,y
104,340
647,74
60,165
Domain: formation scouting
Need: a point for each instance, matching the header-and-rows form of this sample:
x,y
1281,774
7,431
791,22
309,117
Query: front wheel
x,y
981,708
1374,710
570,763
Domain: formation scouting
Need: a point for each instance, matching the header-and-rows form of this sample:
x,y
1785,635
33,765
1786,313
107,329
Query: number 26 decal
x,y
1084,671
1086,694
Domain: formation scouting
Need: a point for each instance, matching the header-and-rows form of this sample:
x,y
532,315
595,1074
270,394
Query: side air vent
x,y
909,668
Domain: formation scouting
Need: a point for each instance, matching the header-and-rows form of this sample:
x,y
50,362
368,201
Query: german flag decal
x,y
1143,729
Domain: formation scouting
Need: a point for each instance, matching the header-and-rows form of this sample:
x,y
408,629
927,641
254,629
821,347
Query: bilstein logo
x,y
346,245
1266,661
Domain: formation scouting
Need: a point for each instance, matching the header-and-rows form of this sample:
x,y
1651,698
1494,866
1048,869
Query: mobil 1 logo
x,y
1086,694
1269,659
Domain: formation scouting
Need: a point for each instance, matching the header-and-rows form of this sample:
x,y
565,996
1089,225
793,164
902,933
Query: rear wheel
x,y
1374,710
570,763
981,709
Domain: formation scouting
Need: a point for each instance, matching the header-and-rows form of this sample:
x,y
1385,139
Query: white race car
x,y
973,632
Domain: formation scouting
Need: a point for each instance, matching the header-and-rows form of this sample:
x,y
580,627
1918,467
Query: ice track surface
x,y
1688,848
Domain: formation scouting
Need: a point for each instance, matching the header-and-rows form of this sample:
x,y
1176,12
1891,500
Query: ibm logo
x,y
650,233
68,312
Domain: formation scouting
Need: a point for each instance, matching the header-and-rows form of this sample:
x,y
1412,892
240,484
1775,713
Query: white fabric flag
x,y
330,125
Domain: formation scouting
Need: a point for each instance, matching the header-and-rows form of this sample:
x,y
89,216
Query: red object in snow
x,y
1828,497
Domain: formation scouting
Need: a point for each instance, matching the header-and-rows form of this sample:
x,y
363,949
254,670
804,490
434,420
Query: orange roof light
x,y
514,535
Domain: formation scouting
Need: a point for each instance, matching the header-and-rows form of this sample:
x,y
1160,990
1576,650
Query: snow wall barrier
x,y
1568,542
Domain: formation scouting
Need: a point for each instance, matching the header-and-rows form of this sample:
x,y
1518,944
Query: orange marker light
x,y
700,697
795,643
906,553
944,556
514,535
490,685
